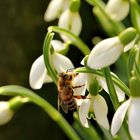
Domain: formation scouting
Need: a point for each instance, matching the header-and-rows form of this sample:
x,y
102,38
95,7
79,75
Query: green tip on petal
x,y
74,5
134,84
127,35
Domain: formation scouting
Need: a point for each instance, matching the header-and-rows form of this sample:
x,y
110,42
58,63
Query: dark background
x,y
22,31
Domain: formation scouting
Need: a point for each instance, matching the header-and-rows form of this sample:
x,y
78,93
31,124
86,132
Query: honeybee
x,y
65,91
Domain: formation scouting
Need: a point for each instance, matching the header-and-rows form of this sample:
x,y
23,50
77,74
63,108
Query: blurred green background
x,y
22,31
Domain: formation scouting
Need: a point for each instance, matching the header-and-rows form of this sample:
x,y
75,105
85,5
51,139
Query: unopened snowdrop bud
x,y
6,113
54,9
135,14
117,9
109,50
74,5
71,21
105,53
8,108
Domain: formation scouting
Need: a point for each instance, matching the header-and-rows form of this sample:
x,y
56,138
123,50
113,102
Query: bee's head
x,y
67,75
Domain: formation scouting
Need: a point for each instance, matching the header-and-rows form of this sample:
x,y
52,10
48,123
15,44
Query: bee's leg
x,y
80,97
78,86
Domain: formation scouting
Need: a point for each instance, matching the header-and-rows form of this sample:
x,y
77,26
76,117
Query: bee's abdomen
x,y
72,104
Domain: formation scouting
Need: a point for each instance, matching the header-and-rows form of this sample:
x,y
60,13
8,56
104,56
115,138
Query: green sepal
x,y
127,35
134,84
74,5
93,86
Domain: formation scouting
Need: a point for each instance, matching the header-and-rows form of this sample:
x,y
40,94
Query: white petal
x,y
70,21
79,80
105,53
5,113
119,117
37,73
53,10
61,62
118,9
134,118
83,112
129,45
120,93
82,62
78,101
100,111
48,79
57,45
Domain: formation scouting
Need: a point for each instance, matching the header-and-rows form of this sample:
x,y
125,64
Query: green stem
x,y
13,90
117,26
47,56
111,89
114,99
115,79
75,40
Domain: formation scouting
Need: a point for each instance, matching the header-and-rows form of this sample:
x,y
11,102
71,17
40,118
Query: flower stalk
x,y
46,54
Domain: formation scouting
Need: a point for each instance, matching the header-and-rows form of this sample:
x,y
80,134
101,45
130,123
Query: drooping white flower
x,y
95,104
118,9
55,8
71,21
105,53
38,73
131,107
5,113
109,50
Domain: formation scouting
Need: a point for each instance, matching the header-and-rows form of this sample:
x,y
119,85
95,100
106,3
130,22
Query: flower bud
x,y
118,9
6,113
70,21
53,10
105,53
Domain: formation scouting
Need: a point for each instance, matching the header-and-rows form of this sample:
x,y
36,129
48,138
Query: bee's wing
x,y
62,104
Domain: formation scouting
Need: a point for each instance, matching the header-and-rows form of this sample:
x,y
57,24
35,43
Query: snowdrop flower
x,y
97,105
92,104
131,107
117,9
55,8
71,21
109,50
38,73
5,113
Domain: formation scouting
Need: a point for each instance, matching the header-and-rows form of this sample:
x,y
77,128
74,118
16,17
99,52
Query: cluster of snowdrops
x,y
94,73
